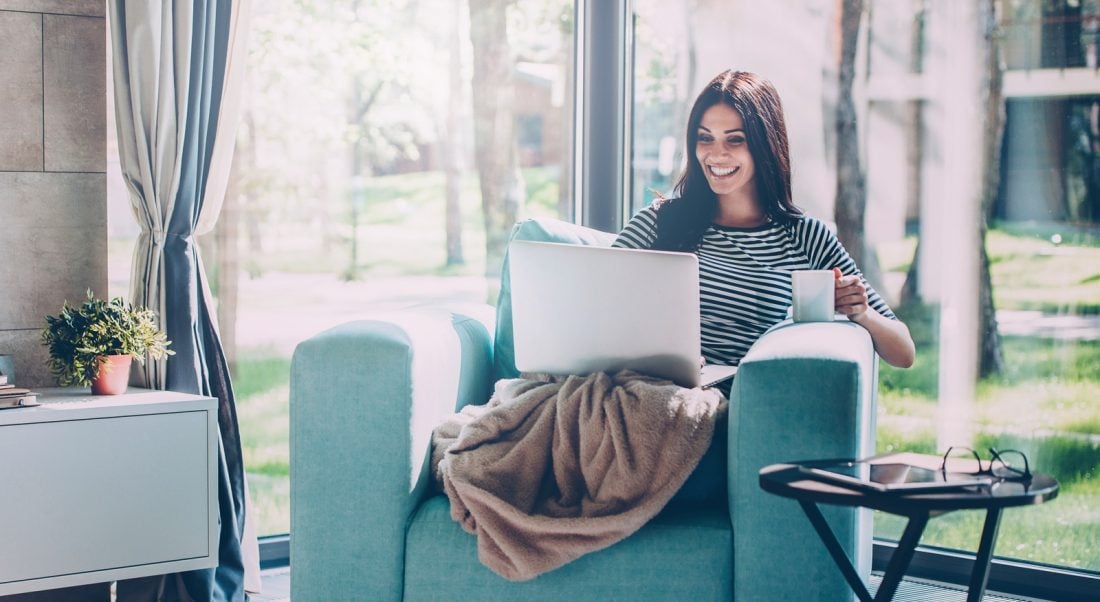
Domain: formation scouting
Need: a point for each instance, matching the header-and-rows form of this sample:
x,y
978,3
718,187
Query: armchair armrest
x,y
364,398
803,391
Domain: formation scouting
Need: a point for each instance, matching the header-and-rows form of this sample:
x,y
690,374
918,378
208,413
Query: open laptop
x,y
582,309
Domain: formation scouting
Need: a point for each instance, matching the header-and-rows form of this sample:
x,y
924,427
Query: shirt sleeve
x,y
640,232
825,253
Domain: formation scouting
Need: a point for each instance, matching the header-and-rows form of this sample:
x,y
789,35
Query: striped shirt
x,y
745,276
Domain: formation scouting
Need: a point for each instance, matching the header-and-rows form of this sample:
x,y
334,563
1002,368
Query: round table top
x,y
788,480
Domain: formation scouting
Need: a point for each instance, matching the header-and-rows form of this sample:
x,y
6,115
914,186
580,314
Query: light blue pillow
x,y
542,230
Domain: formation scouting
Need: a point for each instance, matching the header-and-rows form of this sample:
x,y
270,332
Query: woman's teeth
x,y
722,171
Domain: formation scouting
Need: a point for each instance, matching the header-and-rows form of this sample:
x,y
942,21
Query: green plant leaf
x,y
79,335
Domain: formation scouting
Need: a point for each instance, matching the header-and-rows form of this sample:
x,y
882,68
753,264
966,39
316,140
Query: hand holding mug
x,y
851,295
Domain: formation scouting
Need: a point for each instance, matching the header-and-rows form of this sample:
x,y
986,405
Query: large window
x,y
1027,376
361,182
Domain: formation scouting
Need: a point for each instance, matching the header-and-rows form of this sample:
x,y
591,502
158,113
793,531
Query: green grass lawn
x,y
401,229
1063,531
1029,270
261,383
1047,402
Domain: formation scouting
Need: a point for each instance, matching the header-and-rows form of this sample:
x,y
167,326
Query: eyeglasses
x,y
1005,464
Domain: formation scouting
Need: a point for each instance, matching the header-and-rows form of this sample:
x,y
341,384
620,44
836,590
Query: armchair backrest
x,y
541,230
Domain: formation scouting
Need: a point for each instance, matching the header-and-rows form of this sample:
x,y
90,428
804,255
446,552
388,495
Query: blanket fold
x,y
551,469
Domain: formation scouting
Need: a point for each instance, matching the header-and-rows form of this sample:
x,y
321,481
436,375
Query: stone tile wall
x,y
53,182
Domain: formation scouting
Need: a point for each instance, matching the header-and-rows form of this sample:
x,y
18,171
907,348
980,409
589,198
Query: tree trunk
x,y
565,172
502,189
251,213
914,135
991,358
227,232
851,187
910,289
452,145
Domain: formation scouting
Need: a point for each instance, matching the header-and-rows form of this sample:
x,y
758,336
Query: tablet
x,y
903,478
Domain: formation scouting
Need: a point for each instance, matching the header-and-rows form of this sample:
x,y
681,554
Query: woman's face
x,y
723,151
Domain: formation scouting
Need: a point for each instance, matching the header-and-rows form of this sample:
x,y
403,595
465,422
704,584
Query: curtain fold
x,y
178,70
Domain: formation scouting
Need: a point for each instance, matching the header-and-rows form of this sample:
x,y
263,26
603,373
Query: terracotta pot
x,y
114,375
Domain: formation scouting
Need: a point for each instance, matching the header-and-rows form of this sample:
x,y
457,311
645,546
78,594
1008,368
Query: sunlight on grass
x,y
1062,531
1029,271
263,412
270,498
1035,273
401,228
1038,405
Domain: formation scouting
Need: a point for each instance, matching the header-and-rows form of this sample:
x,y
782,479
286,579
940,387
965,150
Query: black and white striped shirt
x,y
745,276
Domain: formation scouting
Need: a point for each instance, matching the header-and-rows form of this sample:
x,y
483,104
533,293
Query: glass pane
x,y
923,218
1035,372
358,180
664,87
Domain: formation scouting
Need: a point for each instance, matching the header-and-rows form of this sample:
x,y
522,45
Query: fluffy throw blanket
x,y
551,469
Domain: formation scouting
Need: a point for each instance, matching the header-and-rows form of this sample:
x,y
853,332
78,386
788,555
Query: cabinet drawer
x,y
101,494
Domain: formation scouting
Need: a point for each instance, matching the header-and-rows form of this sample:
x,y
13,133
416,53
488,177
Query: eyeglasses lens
x,y
1009,464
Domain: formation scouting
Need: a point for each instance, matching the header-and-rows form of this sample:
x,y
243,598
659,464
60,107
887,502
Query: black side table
x,y
788,481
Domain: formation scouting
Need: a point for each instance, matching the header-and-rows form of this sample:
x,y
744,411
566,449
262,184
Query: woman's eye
x,y
705,138
736,140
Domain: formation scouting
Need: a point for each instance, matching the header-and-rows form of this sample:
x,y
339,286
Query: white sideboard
x,y
100,488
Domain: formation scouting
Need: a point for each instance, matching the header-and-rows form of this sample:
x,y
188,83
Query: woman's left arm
x,y
891,337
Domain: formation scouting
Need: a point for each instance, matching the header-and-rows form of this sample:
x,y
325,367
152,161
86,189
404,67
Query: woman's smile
x,y
722,172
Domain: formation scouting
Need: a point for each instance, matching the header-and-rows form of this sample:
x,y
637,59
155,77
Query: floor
x,y
916,590
276,586
277,589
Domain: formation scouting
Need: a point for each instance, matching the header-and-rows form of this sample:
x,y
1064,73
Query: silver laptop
x,y
582,309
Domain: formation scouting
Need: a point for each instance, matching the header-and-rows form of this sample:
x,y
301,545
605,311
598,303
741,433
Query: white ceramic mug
x,y
814,295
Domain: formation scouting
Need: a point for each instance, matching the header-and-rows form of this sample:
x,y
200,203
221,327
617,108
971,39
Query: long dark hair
x,y
681,221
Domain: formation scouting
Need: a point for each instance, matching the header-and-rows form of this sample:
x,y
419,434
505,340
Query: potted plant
x,y
94,343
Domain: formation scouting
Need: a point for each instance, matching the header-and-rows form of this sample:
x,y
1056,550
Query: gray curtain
x,y
177,78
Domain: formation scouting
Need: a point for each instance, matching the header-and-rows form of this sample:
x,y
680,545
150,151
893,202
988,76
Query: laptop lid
x,y
581,309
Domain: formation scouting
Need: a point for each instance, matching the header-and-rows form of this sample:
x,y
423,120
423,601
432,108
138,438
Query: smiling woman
x,y
748,234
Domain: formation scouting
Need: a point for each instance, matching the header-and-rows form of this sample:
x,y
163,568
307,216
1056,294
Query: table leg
x,y
903,554
836,551
979,576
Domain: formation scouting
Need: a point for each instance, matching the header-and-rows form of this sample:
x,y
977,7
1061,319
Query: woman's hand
x,y
891,337
851,295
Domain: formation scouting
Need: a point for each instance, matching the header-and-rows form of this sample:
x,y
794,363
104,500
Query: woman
x,y
733,209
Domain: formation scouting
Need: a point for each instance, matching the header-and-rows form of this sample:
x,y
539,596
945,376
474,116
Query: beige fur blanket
x,y
551,469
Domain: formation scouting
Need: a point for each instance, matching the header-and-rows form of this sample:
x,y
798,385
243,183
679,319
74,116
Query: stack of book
x,y
12,396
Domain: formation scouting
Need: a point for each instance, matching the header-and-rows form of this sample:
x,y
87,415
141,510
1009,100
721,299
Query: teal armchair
x,y
365,524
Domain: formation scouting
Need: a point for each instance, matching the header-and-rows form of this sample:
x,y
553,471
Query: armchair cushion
x,y
541,230
682,554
